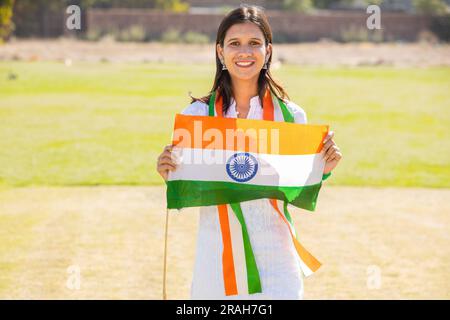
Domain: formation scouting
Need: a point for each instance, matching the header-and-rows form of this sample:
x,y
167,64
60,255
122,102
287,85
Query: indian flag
x,y
224,161
230,160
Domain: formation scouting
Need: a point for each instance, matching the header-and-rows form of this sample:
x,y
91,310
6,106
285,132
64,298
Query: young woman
x,y
243,58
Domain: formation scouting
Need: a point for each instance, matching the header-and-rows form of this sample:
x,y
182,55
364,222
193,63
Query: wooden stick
x,y
165,255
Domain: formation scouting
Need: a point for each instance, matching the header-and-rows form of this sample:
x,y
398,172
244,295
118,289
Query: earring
x,y
223,65
265,65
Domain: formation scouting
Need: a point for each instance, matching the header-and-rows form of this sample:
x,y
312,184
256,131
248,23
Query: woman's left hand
x,y
331,153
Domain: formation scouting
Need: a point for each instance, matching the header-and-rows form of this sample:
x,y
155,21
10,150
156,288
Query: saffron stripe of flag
x,y
259,135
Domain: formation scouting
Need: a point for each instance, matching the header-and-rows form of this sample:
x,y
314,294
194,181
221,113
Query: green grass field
x,y
105,124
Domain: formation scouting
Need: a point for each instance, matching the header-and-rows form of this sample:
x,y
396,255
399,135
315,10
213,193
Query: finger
x,y
336,156
330,158
169,147
166,159
167,162
166,154
331,150
169,157
165,167
329,136
172,156
328,152
328,145
325,152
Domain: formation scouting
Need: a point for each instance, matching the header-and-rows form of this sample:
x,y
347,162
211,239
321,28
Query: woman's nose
x,y
246,50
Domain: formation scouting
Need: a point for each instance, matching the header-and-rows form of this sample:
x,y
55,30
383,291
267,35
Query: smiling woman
x,y
243,58
248,249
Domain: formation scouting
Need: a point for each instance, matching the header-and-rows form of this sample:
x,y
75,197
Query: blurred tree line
x,y
6,13
172,5
42,17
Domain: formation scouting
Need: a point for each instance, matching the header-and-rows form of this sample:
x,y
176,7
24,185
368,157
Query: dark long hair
x,y
222,81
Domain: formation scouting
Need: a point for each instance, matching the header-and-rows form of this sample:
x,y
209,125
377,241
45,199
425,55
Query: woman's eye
x,y
253,43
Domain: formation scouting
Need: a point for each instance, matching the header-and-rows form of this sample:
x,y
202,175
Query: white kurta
x,y
275,254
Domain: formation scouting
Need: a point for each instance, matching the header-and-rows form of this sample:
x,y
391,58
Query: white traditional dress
x,y
277,260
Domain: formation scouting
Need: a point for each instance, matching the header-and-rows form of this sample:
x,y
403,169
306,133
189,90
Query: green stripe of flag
x,y
188,193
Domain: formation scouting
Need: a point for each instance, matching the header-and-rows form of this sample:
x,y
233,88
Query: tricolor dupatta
x,y
240,271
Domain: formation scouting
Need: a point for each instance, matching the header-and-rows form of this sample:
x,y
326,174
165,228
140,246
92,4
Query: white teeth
x,y
244,64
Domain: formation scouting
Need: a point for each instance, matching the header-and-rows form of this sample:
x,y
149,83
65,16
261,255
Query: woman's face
x,y
244,52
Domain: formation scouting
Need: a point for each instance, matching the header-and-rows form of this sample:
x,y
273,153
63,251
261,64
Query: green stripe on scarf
x,y
287,214
212,101
287,115
253,280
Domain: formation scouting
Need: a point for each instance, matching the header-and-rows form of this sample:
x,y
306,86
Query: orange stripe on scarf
x,y
229,274
312,263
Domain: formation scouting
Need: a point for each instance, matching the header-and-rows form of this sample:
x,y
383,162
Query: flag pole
x,y
165,255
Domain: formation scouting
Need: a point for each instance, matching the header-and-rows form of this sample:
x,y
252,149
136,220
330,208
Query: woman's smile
x,y
245,63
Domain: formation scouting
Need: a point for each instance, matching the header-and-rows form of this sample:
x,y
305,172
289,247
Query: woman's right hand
x,y
166,162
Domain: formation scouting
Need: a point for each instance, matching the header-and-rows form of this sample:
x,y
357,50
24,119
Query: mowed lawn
x,y
106,123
